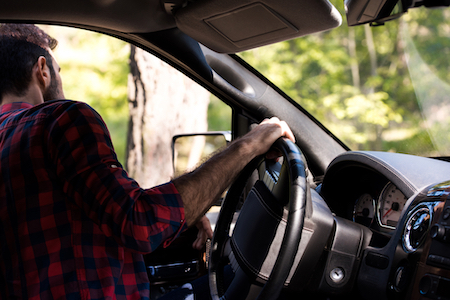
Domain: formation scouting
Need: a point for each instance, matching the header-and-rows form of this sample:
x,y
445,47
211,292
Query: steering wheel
x,y
261,205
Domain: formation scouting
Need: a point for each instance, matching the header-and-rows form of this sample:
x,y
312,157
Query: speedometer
x,y
390,206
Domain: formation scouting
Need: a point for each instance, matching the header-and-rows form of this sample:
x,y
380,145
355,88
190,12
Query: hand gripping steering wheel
x,y
225,249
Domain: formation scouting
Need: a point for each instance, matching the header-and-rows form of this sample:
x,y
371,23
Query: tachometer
x,y
390,206
363,211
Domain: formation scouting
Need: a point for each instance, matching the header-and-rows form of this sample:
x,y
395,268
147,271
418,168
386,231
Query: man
x,y
73,225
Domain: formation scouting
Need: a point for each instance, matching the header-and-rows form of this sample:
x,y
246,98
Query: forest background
x,y
354,80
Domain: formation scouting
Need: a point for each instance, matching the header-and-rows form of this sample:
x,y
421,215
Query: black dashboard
x,y
402,199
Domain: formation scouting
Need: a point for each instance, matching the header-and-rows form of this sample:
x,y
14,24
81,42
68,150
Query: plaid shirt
x,y
73,225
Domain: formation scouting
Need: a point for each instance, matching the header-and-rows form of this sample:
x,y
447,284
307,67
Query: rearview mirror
x,y
189,150
370,11
377,12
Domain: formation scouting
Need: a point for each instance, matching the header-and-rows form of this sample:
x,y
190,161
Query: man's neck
x,y
32,96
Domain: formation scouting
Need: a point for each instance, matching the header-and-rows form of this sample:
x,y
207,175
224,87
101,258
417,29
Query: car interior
x,y
323,222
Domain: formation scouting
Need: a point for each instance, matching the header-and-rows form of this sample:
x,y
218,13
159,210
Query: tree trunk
x,y
162,102
372,54
353,58
377,129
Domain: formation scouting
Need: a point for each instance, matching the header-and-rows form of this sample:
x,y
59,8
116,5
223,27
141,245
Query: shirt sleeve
x,y
85,162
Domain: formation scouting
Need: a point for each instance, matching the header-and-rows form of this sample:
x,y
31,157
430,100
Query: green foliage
x,y
430,30
94,69
362,96
219,115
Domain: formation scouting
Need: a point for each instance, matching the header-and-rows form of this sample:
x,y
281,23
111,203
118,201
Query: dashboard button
x,y
439,232
446,214
425,285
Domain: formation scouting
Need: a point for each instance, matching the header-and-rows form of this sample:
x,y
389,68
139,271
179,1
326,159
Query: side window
x,y
143,101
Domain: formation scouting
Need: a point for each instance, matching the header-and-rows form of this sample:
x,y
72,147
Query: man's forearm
x,y
202,187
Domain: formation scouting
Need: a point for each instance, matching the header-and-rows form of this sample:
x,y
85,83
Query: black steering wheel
x,y
264,207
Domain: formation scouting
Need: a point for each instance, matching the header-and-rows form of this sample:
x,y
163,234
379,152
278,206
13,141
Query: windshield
x,y
376,88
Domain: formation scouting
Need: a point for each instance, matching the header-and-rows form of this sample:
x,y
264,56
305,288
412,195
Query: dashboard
x,y
374,188
405,201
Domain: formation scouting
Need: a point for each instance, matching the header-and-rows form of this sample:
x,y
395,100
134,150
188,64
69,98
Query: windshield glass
x,y
376,88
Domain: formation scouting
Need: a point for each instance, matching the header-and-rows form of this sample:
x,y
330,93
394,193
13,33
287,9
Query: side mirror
x,y
189,150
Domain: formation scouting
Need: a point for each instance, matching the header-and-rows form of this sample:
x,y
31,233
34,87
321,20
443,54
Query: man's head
x,y
22,47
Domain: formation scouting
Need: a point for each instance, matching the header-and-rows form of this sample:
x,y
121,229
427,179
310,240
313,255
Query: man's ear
x,y
42,73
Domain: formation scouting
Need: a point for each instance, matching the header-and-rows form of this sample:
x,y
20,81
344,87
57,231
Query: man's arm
x,y
202,187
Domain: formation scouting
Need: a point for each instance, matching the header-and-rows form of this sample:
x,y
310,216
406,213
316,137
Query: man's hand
x,y
204,233
266,133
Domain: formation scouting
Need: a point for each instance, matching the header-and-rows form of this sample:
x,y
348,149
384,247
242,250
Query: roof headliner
x,y
127,16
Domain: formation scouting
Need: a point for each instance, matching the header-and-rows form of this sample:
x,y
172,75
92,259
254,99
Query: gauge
x,y
363,210
416,229
390,206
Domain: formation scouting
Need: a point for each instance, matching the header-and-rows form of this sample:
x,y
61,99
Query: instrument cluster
x,y
382,211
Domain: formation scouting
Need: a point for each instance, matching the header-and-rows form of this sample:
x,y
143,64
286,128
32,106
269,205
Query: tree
x,y
162,103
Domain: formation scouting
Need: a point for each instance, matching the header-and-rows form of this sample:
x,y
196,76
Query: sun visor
x,y
230,26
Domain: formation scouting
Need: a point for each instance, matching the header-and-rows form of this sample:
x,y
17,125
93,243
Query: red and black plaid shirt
x,y
73,225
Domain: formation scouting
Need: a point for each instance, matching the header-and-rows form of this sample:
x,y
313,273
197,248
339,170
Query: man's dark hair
x,y
20,47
